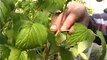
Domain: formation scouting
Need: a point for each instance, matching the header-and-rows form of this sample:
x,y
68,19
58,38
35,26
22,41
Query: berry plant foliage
x,y
25,33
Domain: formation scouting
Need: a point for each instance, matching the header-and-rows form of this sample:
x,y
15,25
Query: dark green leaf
x,y
103,42
54,48
51,5
1,17
42,17
18,25
17,17
9,4
2,38
32,55
0,25
18,21
66,54
4,52
31,36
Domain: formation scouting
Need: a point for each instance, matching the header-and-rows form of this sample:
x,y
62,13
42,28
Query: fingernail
x,y
63,28
53,28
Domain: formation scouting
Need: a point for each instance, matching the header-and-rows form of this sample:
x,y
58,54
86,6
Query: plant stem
x,y
47,50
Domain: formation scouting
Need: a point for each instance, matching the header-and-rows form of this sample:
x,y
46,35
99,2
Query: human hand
x,y
75,12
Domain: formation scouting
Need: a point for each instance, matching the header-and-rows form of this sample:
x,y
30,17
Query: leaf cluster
x,y
25,34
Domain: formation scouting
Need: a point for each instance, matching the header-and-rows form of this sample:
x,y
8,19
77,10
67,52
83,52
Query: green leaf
x,y
103,42
65,54
42,17
17,17
80,34
17,54
3,11
4,52
0,25
51,5
60,39
106,54
1,17
74,50
31,35
83,55
19,24
83,45
3,8
18,21
2,38
9,4
9,35
53,46
32,55
61,4
19,4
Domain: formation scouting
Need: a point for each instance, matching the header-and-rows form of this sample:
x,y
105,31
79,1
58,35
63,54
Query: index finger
x,y
56,23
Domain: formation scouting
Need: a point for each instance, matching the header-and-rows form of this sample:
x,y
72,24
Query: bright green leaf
x,y
83,45
3,8
74,50
80,34
17,54
31,36
83,56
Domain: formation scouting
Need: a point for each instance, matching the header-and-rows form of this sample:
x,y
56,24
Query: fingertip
x,y
63,28
53,28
